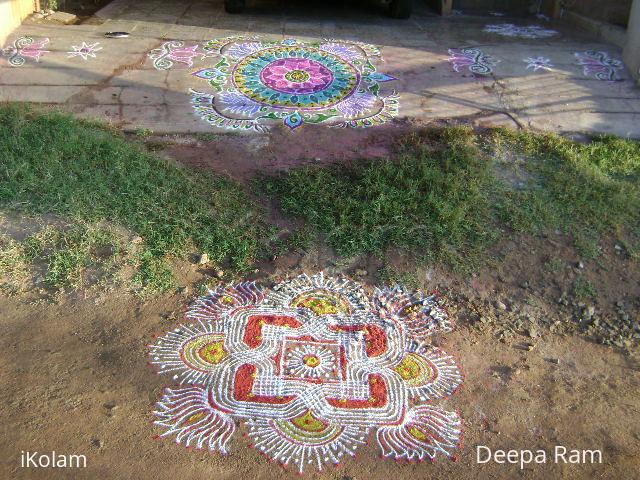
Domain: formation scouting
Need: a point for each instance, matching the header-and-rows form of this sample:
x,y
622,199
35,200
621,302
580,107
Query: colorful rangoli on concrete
x,y
169,53
310,368
599,64
538,63
84,51
24,48
511,30
256,82
474,59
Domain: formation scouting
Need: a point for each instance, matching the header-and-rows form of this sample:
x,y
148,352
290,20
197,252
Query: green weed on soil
x,y
51,163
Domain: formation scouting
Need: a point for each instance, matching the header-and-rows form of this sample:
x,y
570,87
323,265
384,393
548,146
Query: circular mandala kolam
x,y
256,83
312,368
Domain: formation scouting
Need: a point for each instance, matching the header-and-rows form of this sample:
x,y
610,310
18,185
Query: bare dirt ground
x,y
75,379
244,156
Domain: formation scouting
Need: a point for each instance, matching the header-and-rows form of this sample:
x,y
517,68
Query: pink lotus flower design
x,y
35,49
184,55
174,51
296,75
24,48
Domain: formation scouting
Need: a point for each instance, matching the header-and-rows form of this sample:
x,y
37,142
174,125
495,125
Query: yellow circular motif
x,y
415,370
311,360
322,302
309,422
213,352
204,352
297,76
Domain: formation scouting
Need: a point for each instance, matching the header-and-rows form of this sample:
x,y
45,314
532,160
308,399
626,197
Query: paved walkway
x,y
121,84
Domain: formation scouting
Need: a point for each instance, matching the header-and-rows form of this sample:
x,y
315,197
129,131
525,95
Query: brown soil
x,y
243,156
75,379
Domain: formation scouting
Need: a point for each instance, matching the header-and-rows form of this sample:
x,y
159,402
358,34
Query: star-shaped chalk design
x,y
85,50
538,63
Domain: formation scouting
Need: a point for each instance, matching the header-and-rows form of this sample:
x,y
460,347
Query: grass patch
x,y
69,256
299,240
388,275
69,252
154,146
84,171
554,265
143,133
586,190
154,274
14,271
450,193
446,196
433,199
584,289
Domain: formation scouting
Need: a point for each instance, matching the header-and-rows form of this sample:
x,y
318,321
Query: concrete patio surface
x,y
122,86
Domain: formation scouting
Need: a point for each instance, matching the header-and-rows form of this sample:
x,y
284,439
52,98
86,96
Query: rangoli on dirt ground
x,y
254,83
311,368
